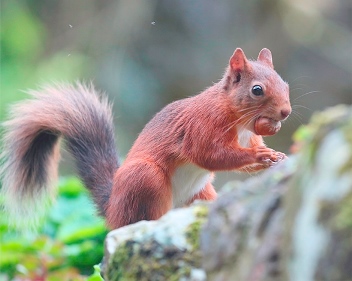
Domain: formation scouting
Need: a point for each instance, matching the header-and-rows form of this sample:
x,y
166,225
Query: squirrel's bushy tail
x,y
30,148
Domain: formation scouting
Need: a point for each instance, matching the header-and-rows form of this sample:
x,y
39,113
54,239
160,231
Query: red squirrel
x,y
171,163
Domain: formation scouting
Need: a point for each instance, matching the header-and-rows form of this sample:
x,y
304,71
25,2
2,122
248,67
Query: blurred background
x,y
145,54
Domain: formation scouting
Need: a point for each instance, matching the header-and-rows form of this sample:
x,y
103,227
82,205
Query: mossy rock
x,y
167,249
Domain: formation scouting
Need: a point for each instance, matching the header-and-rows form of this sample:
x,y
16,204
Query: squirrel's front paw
x,y
268,157
264,154
277,157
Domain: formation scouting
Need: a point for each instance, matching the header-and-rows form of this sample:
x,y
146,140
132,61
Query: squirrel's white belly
x,y
187,181
244,136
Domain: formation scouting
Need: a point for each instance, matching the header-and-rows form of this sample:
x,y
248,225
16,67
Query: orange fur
x,y
172,161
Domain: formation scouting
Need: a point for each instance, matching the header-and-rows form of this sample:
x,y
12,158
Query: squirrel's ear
x,y
238,61
266,57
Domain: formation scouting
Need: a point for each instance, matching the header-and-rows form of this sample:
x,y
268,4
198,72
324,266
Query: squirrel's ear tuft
x,y
266,57
238,61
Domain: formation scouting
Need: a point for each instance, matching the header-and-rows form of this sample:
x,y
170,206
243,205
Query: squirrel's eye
x,y
257,90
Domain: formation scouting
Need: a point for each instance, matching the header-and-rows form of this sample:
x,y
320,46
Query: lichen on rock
x,y
167,249
320,234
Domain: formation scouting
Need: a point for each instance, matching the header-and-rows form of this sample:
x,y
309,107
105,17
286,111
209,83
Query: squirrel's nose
x,y
285,113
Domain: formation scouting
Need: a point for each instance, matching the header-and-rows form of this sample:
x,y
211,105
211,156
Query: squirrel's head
x,y
256,90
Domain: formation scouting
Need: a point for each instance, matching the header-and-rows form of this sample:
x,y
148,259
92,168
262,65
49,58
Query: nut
x,y
266,126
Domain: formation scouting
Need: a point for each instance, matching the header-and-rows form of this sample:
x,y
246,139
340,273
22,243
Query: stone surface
x,y
243,235
318,204
167,249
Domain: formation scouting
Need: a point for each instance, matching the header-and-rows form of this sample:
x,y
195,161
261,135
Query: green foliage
x,y
67,246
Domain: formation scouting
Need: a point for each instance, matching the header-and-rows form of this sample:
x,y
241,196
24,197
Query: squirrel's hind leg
x,y
141,192
208,193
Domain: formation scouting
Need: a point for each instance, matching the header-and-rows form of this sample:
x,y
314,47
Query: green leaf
x,y
76,240
96,275
71,187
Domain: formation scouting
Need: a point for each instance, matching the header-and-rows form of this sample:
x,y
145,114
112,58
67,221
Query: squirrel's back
x,y
167,136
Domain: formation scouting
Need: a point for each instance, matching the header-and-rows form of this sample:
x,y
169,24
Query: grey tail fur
x,y
30,148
